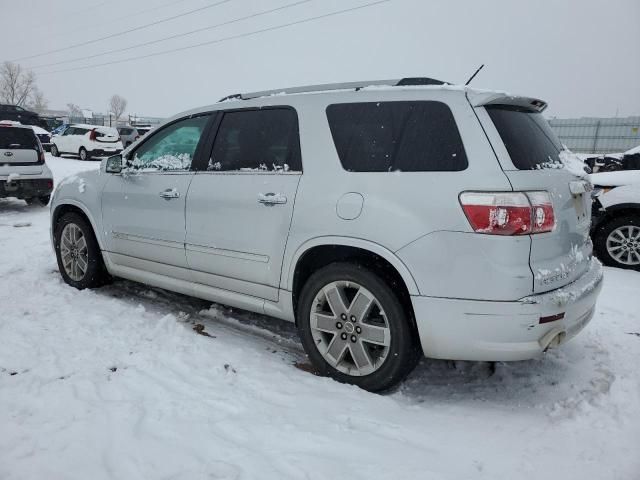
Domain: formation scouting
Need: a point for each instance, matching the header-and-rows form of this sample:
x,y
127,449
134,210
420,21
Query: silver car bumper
x,y
460,329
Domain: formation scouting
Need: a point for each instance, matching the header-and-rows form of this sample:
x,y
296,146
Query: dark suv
x,y
19,114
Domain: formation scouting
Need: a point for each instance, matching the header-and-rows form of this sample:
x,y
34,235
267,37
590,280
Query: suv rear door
x,y
530,155
240,203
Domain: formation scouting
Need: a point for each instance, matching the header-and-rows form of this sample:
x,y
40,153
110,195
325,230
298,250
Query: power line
x,y
88,42
123,17
221,40
179,35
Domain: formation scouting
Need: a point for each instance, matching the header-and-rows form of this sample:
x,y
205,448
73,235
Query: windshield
x,y
527,136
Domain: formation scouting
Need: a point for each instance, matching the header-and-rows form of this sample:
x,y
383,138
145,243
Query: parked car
x,y
87,141
19,114
143,130
128,135
23,172
616,218
43,136
387,222
58,130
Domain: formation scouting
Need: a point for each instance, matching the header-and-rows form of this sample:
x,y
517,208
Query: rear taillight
x,y
42,156
92,135
508,213
542,217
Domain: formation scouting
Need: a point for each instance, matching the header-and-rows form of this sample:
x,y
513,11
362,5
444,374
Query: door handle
x,y
270,199
170,193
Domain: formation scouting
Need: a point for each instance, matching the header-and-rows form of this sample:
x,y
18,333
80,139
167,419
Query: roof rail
x,y
403,82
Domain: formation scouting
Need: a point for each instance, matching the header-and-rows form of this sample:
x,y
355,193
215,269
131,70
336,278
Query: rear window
x,y
126,131
527,136
17,138
103,133
396,136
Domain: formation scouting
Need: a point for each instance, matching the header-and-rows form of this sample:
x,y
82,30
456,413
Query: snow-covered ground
x,y
117,383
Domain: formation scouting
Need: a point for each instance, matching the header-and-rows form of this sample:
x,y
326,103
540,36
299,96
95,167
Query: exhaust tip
x,y
552,339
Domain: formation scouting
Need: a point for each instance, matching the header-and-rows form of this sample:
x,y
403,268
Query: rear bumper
x,y
26,188
459,329
104,153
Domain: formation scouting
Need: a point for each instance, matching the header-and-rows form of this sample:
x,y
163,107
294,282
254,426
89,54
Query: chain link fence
x,y
598,135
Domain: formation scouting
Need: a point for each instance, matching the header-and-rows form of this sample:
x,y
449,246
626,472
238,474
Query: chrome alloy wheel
x,y
350,328
74,252
623,244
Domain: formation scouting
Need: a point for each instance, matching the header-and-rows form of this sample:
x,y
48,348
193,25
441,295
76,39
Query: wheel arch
x,y
70,205
618,210
319,252
357,243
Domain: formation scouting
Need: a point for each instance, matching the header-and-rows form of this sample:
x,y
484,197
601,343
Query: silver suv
x,y
388,219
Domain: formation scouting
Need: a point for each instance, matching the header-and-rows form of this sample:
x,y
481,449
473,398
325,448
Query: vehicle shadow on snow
x,y
14,206
541,382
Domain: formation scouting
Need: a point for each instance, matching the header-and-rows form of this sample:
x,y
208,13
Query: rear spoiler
x,y
481,99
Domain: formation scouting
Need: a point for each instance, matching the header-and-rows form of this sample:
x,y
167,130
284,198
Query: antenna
x,y
474,75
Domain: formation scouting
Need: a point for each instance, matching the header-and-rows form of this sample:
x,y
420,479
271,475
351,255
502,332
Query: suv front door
x,y
143,207
240,202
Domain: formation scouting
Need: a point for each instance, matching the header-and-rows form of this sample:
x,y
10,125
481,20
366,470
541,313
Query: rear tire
x,y
74,238
44,199
374,349
54,151
82,153
617,242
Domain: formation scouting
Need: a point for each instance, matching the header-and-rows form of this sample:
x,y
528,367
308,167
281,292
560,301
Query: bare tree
x,y
74,110
117,105
17,86
38,103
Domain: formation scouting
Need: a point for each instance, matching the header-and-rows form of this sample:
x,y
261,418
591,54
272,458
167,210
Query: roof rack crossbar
x,y
337,86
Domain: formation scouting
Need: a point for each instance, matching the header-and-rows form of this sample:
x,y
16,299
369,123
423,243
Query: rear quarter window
x,y
396,136
17,139
527,137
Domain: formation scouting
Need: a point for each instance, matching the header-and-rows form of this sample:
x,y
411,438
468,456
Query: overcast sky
x,y
581,56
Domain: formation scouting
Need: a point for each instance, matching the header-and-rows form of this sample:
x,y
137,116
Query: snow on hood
x,y
39,131
615,179
633,151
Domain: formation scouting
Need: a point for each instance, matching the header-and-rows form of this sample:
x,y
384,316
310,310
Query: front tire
x,y
82,153
617,242
355,329
78,253
54,151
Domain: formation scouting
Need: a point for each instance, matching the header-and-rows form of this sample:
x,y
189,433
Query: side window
x,y
396,136
253,140
69,131
172,148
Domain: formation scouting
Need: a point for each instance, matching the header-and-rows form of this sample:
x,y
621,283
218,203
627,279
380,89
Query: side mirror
x,y
114,164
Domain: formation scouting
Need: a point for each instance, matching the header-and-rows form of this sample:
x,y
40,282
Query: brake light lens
x,y
508,213
542,216
92,135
